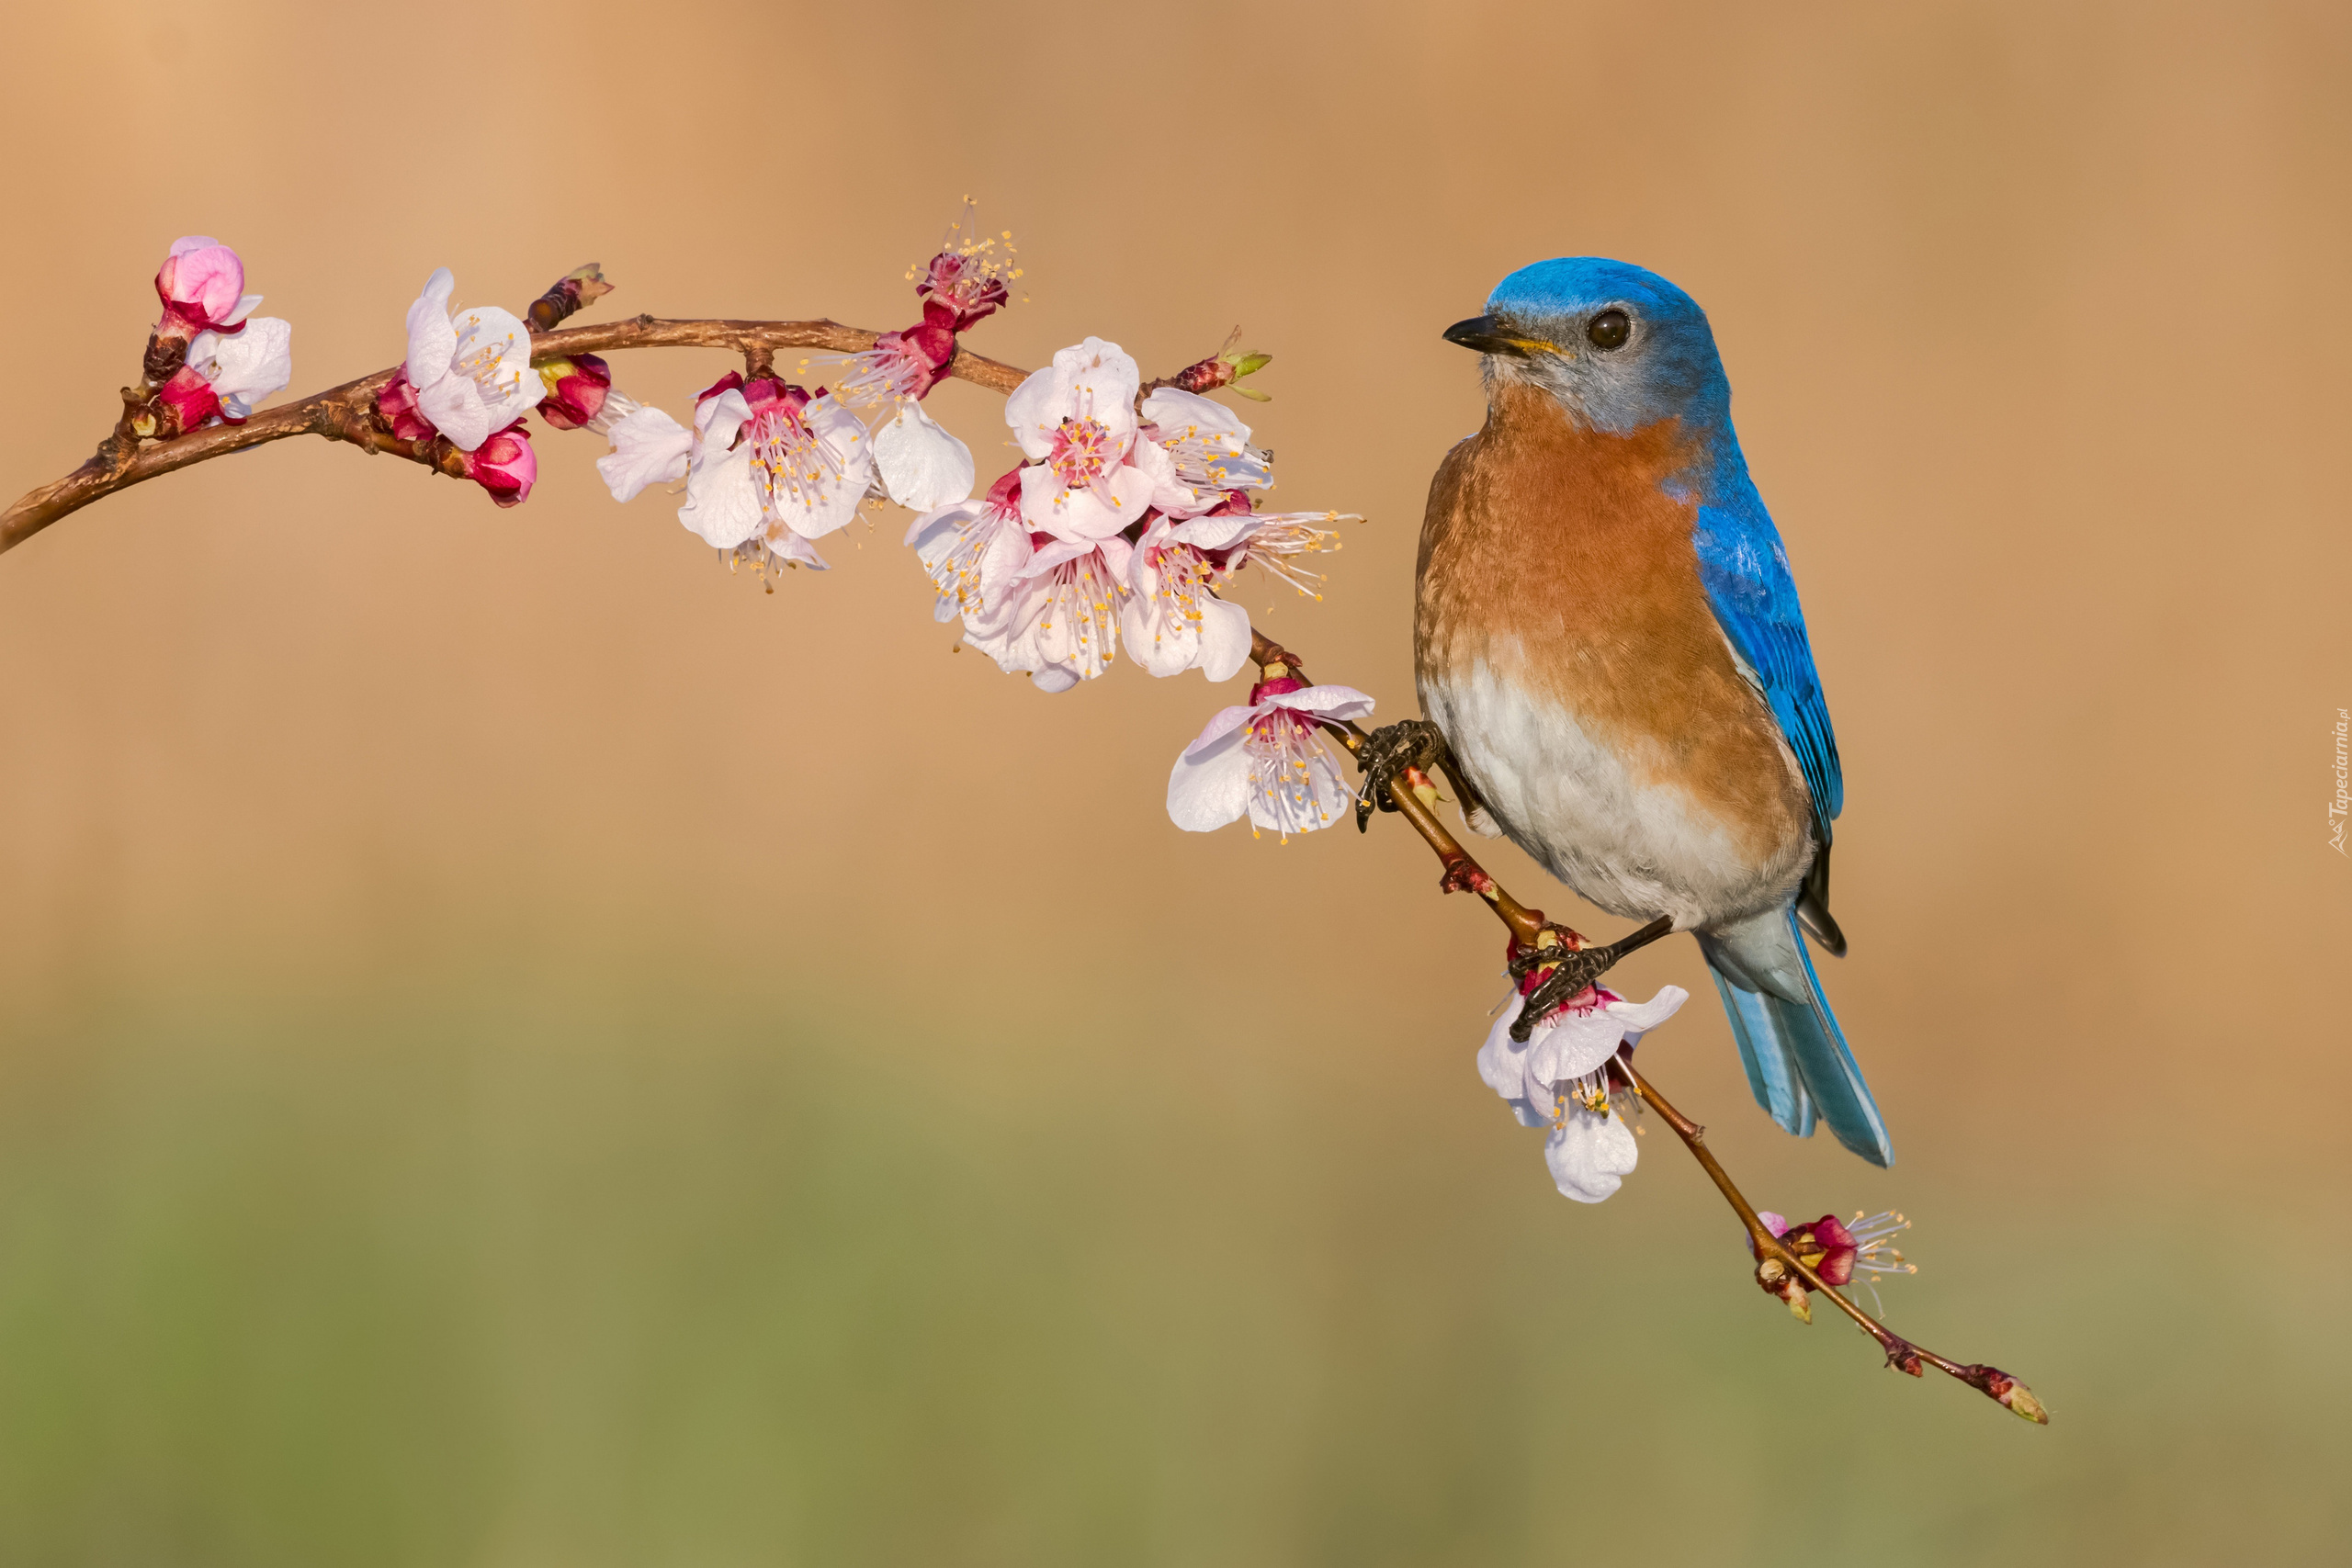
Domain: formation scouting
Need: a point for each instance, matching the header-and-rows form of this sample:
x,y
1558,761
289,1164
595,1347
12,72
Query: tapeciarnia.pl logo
x,y
2337,807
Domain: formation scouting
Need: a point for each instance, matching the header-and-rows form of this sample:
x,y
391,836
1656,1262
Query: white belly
x,y
1608,825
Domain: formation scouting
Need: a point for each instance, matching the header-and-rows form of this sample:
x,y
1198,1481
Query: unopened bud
x,y
1225,368
2012,1395
574,290
576,387
503,465
202,284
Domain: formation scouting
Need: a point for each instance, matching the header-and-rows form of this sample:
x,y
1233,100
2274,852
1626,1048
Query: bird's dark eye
x,y
1610,329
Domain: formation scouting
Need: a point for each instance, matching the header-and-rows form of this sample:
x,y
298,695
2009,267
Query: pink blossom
x,y
1056,616
1037,605
1173,619
1267,759
202,284
1075,422
1208,452
470,368
974,550
1559,1080
503,465
771,468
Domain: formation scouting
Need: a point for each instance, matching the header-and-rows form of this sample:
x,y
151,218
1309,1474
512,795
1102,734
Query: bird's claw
x,y
1386,754
1574,967
1574,970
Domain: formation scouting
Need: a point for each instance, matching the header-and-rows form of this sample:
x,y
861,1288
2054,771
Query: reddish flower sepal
x,y
185,403
505,466
397,404
577,389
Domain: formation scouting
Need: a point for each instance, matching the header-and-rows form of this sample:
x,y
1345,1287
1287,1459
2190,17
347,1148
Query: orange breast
x,y
1552,554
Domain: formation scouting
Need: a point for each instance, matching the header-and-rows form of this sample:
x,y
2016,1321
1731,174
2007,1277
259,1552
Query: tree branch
x,y
347,413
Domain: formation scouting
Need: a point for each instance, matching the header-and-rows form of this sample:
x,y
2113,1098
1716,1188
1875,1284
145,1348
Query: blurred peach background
x,y
518,1047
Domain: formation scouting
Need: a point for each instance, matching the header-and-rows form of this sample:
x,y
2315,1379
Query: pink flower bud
x,y
576,389
199,283
188,400
397,403
504,464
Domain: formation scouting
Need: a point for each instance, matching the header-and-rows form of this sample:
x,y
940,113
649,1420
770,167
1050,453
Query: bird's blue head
x,y
1616,343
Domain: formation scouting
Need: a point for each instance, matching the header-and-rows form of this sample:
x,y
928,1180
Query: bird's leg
x,y
1574,967
1387,753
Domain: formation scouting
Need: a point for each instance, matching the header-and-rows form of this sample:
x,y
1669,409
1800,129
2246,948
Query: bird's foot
x,y
1388,753
1574,968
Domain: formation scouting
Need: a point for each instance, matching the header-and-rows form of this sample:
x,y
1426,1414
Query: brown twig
x,y
1771,1250
347,413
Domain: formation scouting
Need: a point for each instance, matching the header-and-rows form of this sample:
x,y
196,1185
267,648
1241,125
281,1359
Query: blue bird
x,y
1609,642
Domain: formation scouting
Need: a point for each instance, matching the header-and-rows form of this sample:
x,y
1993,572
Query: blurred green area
x,y
518,1275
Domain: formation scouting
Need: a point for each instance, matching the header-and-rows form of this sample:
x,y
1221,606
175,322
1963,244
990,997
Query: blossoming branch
x,y
1134,504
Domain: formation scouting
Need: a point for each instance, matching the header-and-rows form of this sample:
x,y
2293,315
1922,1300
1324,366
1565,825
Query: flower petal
x,y
1103,382
454,406
1502,1061
1590,1155
722,500
921,465
1222,724
1572,1044
1215,533
648,447
1035,409
1640,1018
1210,784
432,340
1225,639
1048,506
817,506
497,341
1296,804
254,364
1329,702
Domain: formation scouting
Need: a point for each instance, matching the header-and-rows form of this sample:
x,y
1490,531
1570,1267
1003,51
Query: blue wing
x,y
1746,574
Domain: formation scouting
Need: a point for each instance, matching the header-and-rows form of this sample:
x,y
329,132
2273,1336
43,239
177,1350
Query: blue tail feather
x,y
1798,1063
1773,1075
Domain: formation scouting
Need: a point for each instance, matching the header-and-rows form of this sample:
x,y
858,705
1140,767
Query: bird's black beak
x,y
1487,335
